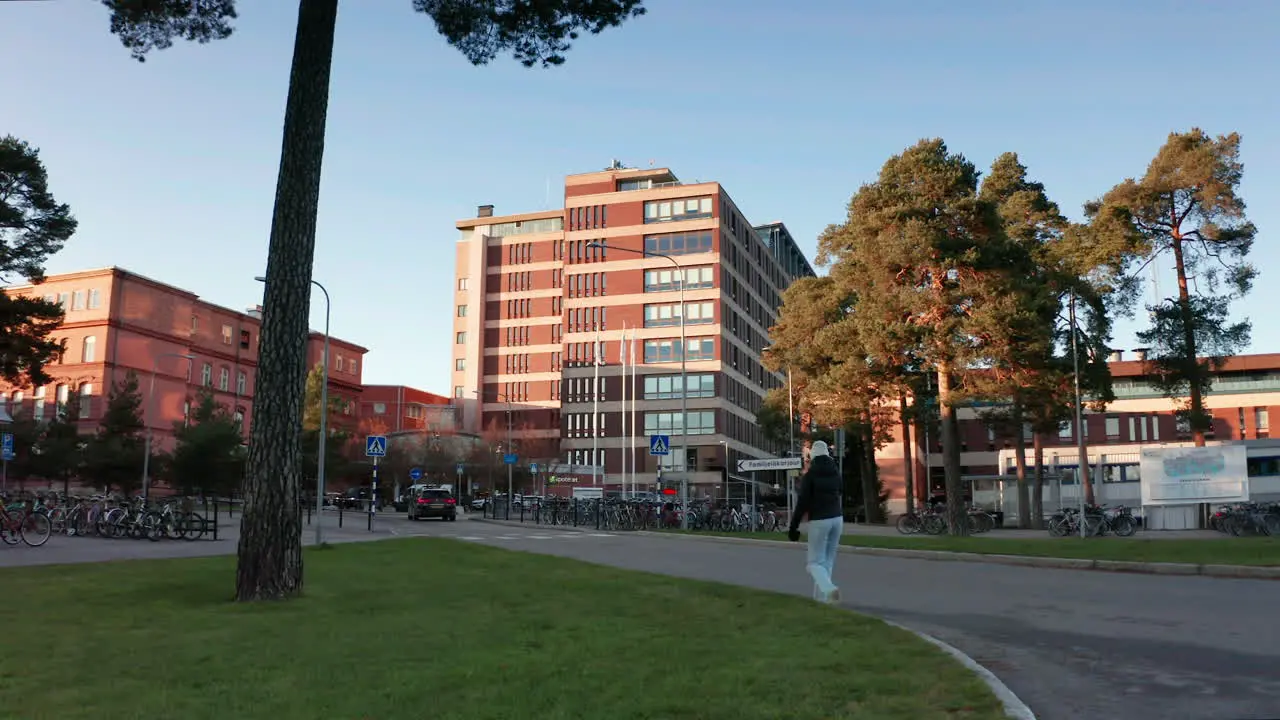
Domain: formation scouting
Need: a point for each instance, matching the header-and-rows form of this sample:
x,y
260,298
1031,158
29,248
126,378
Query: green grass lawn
x,y
428,628
1215,551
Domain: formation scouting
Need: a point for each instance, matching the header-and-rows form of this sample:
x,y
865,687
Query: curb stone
x,y
1241,572
1014,707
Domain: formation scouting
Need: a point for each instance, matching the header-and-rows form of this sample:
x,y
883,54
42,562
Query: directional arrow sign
x,y
791,463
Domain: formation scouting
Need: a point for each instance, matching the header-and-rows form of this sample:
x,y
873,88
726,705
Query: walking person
x,y
821,500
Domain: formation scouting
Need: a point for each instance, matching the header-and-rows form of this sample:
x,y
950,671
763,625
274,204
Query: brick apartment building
x,y
1244,393
118,321
533,296
399,408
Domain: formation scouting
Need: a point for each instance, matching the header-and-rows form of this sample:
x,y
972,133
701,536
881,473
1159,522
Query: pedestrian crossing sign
x,y
375,446
659,444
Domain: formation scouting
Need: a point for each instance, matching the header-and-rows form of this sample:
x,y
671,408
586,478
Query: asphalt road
x,y
1071,644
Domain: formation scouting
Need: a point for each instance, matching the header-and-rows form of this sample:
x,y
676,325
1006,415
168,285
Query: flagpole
x,y
635,391
622,360
596,358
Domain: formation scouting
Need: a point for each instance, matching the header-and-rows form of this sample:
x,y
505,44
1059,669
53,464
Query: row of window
x,y
515,335
587,284
526,227
516,363
519,281
224,378
515,391
667,315
586,353
685,243
695,278
590,217
701,422
588,319
585,389
517,308
580,251
519,253
13,404
668,351
90,299
670,387
681,209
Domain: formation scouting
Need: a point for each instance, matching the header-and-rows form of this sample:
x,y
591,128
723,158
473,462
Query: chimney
x,y
1115,356
484,211
254,312
1140,354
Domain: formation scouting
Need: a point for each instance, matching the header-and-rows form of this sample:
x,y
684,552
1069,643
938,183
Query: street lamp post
x,y
151,400
507,450
324,414
684,378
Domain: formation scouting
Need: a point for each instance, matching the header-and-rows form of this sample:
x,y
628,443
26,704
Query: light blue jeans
x,y
824,543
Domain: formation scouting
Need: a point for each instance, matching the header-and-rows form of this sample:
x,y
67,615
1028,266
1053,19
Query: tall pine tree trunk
x,y
908,453
270,552
1189,340
870,491
1020,460
957,512
1037,488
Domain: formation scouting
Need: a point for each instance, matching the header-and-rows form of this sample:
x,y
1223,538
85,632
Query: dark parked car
x,y
433,503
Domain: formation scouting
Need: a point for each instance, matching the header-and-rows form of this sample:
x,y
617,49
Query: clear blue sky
x,y
170,165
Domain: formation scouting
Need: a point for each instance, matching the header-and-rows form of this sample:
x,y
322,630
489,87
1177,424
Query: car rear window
x,y
435,494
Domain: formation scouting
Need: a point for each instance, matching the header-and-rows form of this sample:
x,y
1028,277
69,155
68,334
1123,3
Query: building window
x,y
206,375
666,351
462,283
241,381
88,349
1113,428
1261,419
77,300
462,311
681,209
64,299
226,334
38,412
699,313
688,243
379,408
195,324
239,418
62,394
352,367
701,422
245,340
667,387
224,379
460,338
458,391
1064,430
86,400
460,364
95,299
669,280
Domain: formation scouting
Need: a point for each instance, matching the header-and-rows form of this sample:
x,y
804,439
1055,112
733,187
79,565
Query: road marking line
x,y
601,535
472,538
539,537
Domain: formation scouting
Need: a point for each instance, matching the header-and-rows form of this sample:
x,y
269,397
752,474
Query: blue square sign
x,y
659,444
375,446
6,446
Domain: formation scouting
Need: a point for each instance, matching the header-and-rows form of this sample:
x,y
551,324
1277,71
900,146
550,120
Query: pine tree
x,y
113,458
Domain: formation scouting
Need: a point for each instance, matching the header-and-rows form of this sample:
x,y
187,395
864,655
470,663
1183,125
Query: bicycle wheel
x,y
36,529
909,524
192,526
1123,526
9,534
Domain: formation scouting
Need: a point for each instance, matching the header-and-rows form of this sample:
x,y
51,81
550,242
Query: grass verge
x,y
443,629
1264,551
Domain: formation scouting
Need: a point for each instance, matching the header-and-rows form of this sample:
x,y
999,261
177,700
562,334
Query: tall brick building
x,y
538,304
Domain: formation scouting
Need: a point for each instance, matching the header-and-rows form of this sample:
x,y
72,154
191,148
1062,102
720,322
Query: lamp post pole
x,y
684,378
151,401
324,414
506,450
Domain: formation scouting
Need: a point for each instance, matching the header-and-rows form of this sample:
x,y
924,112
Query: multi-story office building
x,y
542,297
400,408
1244,392
119,322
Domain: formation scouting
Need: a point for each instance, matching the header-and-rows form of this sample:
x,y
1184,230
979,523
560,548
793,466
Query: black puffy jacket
x,y
821,492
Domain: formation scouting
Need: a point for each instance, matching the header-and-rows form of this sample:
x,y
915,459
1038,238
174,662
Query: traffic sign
x,y
375,446
6,446
533,468
415,474
458,469
510,459
788,463
659,444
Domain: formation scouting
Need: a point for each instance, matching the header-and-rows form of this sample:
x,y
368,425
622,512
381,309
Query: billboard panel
x,y
1190,475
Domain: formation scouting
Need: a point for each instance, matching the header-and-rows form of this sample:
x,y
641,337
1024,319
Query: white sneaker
x,y
833,597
